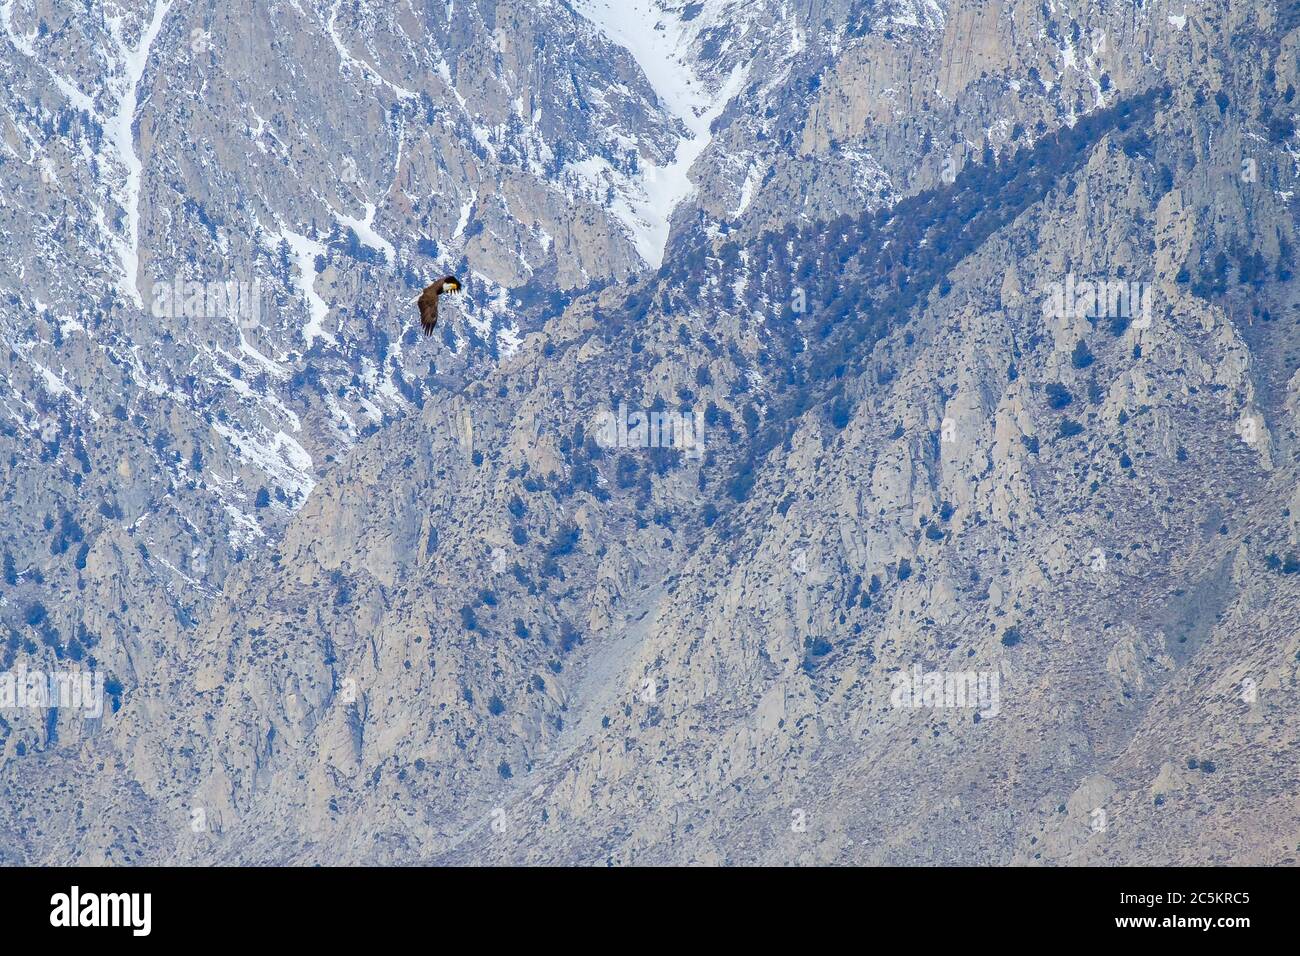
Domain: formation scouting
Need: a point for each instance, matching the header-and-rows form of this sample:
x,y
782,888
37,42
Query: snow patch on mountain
x,y
276,455
659,40
365,230
752,178
304,252
928,14
465,209
121,132
348,61
23,41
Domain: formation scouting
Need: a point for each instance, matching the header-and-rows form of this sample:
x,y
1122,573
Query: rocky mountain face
x,y
814,358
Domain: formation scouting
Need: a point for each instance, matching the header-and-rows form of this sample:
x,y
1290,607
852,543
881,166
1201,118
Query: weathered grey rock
x,y
457,630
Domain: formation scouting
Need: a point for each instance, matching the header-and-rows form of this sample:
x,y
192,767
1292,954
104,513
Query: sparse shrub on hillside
x,y
113,688
35,614
743,481
1290,564
565,540
1058,396
841,412
569,637
625,471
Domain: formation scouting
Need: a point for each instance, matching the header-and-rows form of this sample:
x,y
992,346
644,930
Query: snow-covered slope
x,y
661,40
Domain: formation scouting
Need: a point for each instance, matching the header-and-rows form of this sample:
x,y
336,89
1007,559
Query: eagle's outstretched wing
x,y
429,307
429,301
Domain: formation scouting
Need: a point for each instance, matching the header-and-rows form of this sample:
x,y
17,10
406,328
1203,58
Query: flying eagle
x,y
429,301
